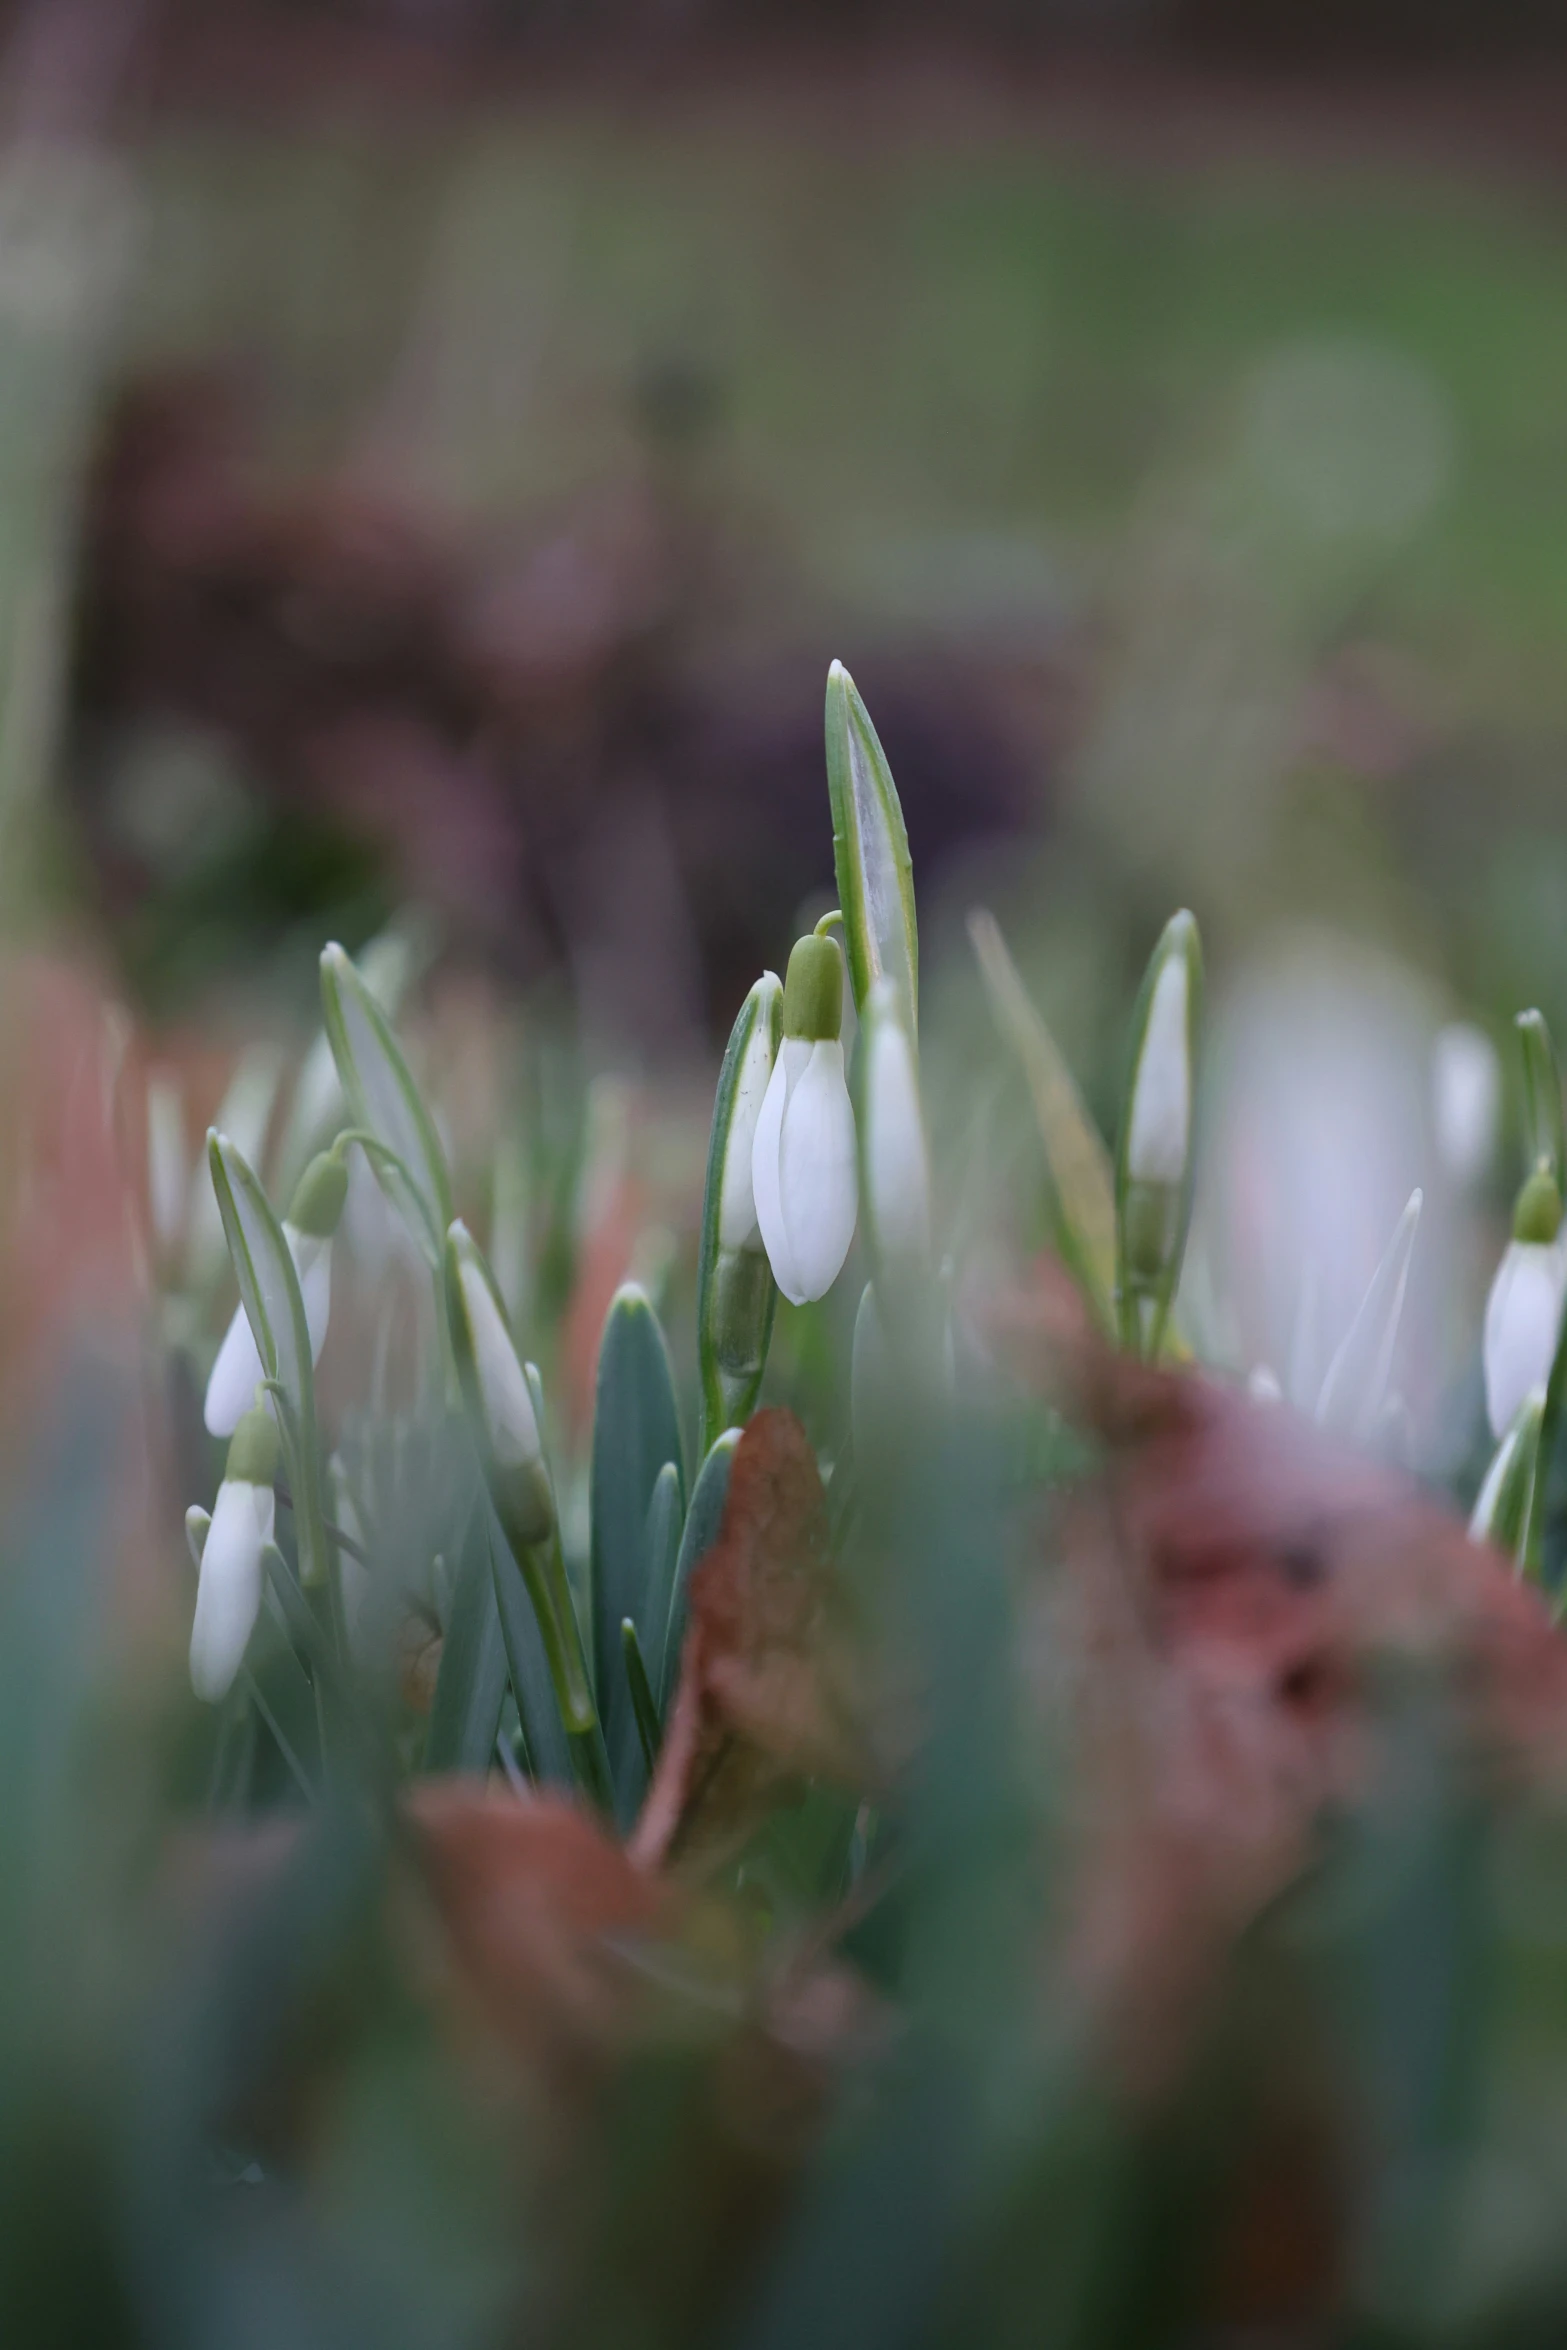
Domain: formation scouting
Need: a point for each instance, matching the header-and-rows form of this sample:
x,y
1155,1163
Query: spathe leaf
x,y
1356,1383
384,1099
870,853
1082,1182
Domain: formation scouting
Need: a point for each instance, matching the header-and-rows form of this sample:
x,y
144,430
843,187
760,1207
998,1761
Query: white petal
x,y
737,1226
1162,1089
1522,1317
818,1188
312,1257
231,1390
228,1597
503,1387
895,1163
765,1161
235,1377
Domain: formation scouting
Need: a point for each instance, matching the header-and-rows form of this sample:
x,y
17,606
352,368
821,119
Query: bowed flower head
x,y
1161,1120
1523,1313
311,1221
803,1175
228,1594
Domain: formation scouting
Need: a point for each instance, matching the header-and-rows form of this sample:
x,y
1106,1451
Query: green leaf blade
x,y
870,852
636,1430
703,1520
1082,1181
380,1090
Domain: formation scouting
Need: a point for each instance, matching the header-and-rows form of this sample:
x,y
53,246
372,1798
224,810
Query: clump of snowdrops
x,y
562,1668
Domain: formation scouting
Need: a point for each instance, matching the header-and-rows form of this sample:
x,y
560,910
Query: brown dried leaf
x,y
766,1677
532,1895
1234,1579
419,1647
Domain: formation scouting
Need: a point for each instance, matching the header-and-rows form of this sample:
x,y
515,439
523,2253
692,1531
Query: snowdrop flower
x,y
895,1170
228,1594
1524,1310
803,1174
1161,1125
1466,1093
495,1387
308,1228
1154,1170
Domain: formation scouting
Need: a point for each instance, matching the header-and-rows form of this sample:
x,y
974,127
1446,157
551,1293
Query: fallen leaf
x,y
765,1695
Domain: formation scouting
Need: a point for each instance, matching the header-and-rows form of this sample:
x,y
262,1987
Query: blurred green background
x,y
1181,457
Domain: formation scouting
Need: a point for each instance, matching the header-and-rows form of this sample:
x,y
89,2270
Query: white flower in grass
x,y
308,1228
1161,1123
1523,1313
803,1177
228,1594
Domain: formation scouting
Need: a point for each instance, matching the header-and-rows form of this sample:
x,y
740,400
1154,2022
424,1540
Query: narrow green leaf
x,y
470,1688
1545,1494
1082,1184
641,1694
1357,1377
870,853
383,1097
703,1520
665,1524
1542,1094
1504,1504
533,1687
636,1429
316,1109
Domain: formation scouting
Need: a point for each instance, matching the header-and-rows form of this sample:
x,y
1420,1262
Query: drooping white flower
x,y
896,1170
501,1384
228,1593
1522,1319
1466,1096
803,1175
1161,1113
308,1229
737,1225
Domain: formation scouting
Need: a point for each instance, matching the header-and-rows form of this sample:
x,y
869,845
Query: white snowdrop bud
x,y
495,1387
1161,1121
1523,1313
228,1593
803,1173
